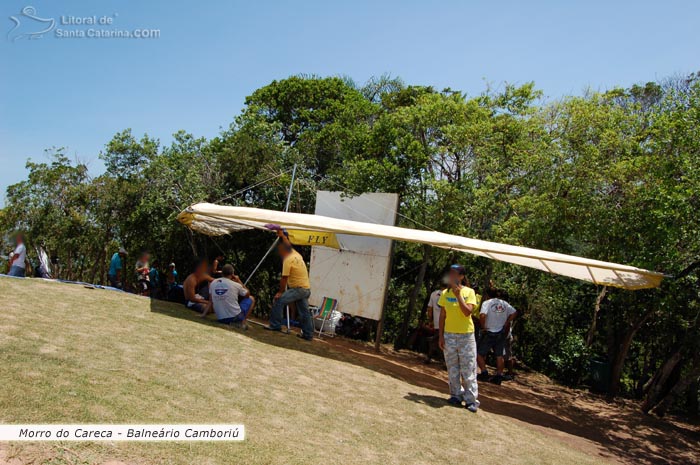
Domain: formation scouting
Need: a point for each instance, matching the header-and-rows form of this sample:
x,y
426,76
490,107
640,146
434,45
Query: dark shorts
x,y
196,306
245,305
495,341
114,282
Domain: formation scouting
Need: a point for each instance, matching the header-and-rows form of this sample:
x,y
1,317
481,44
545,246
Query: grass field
x,y
76,355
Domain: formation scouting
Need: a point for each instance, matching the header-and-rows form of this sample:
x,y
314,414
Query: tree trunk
x,y
69,266
424,309
596,310
693,401
190,239
400,342
677,390
99,263
618,360
657,385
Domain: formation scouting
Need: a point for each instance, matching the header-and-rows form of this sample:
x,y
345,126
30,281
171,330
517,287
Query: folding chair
x,y
328,306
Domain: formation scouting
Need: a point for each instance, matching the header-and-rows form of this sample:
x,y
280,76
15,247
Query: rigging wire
x,y
247,188
345,188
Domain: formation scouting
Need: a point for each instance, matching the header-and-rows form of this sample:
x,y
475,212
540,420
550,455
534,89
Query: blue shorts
x,y
17,271
245,305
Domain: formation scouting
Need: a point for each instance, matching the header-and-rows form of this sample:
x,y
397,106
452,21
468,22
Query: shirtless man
x,y
193,300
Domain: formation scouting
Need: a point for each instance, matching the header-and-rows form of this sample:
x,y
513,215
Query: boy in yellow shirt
x,y
457,339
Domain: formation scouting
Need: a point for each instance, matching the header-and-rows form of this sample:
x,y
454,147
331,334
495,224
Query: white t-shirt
x,y
497,312
20,256
433,303
224,297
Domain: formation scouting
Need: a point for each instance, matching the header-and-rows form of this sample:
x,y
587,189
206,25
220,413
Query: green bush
x,y
571,359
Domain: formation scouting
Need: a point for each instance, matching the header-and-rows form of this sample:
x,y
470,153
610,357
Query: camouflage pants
x,y
460,358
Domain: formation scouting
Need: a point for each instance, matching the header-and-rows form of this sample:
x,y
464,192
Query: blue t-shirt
x,y
115,264
154,274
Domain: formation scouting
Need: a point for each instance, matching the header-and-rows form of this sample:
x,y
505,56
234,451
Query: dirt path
x,y
615,430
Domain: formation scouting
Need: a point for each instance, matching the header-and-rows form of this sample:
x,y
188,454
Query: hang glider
x,y
217,220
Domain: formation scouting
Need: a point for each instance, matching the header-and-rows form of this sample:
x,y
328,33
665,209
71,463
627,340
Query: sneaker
x,y
472,408
454,401
270,328
497,379
483,376
241,325
301,336
507,377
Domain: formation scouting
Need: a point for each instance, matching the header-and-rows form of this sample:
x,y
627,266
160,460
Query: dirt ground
x,y
616,430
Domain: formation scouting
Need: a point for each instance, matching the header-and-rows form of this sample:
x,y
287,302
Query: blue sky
x,y
77,92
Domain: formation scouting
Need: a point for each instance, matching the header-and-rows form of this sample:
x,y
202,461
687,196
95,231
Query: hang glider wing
x,y
216,220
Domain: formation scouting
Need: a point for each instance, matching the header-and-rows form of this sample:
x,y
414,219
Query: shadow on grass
x,y
624,433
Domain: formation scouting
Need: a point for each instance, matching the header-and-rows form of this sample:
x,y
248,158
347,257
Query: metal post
x,y
291,186
286,208
380,323
274,244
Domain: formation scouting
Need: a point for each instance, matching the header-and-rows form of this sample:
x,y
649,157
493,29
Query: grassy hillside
x,y
71,355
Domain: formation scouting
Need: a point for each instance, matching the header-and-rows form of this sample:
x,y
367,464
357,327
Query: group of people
x,y
149,278
461,325
207,290
467,330
19,263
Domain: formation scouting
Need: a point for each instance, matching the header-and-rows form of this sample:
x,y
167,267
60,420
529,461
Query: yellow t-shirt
x,y
294,267
455,320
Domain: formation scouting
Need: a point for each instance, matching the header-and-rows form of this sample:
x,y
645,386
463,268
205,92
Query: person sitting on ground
x,y
457,341
296,277
496,316
18,258
171,276
224,295
155,279
116,265
194,300
142,270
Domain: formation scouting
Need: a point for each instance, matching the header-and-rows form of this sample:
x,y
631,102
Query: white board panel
x,y
357,275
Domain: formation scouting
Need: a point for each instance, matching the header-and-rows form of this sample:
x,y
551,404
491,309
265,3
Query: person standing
x,y
294,288
43,270
434,323
457,340
495,317
142,274
116,267
18,258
